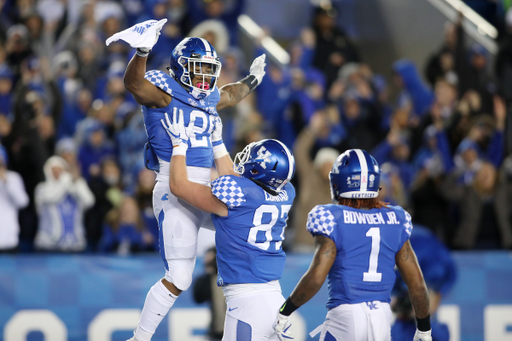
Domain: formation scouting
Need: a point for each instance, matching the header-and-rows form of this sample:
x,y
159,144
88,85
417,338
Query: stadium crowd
x,y
72,138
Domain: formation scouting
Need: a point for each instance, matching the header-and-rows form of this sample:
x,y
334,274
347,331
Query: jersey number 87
x,y
263,235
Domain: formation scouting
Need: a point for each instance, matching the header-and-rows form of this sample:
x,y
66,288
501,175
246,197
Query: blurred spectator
x,y
226,11
472,67
332,46
206,290
144,197
413,92
6,78
17,47
106,187
313,175
124,232
130,141
483,207
442,63
431,162
395,150
12,198
485,141
392,188
61,201
94,149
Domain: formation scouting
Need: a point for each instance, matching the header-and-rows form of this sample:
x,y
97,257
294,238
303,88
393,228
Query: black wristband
x,y
423,324
250,81
287,308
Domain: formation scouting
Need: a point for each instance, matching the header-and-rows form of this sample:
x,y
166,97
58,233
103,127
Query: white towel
x,y
144,34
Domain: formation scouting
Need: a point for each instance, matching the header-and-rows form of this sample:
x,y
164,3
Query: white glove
x,y
143,35
217,131
177,131
218,150
258,68
423,336
282,327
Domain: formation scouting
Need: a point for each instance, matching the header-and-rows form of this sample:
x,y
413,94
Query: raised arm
x,y
143,37
407,264
142,90
233,93
195,194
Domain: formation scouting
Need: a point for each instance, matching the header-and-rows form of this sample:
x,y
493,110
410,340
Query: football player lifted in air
x,y
359,239
191,87
249,213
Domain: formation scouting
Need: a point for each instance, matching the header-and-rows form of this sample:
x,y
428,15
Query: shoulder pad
x,y
159,79
227,190
320,221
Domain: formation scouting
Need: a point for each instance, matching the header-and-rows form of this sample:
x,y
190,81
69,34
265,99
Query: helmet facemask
x,y
207,68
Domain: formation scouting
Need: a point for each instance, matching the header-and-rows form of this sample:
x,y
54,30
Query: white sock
x,y
158,302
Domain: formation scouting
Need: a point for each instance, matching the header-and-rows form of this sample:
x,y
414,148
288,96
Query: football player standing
x,y
191,86
359,239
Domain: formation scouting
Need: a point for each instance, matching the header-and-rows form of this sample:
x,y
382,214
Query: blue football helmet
x,y
195,57
268,161
355,175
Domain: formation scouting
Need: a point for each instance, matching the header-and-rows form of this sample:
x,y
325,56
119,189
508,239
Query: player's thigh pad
x,y
250,317
358,322
178,227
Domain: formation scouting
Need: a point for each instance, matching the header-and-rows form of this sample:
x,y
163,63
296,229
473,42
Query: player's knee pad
x,y
180,272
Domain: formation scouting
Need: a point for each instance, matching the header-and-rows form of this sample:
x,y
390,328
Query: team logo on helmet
x,y
264,155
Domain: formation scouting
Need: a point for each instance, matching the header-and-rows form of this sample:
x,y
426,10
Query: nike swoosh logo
x,y
231,309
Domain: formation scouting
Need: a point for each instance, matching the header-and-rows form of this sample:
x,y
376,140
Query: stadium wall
x,y
98,298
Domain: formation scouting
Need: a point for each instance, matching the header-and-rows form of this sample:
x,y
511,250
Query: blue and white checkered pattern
x,y
408,223
228,191
159,79
320,221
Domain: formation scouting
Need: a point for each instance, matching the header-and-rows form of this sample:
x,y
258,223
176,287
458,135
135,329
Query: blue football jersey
x,y
159,147
249,239
366,244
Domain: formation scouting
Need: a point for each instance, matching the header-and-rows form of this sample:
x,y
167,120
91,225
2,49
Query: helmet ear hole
x,y
254,171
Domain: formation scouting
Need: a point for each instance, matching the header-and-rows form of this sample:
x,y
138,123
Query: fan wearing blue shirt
x,y
249,213
359,240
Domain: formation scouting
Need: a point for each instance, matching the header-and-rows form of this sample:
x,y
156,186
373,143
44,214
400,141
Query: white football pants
x,y
367,321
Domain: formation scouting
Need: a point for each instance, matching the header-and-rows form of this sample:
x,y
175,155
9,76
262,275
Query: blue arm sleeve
x,y
444,147
496,149
381,151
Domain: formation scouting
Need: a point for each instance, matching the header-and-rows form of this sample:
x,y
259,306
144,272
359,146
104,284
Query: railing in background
x,y
256,33
474,25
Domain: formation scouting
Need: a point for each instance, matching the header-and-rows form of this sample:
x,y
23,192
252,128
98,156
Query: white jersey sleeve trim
x,y
320,221
228,191
159,79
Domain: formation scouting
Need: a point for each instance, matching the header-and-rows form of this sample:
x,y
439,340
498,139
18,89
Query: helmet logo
x,y
264,155
180,47
372,179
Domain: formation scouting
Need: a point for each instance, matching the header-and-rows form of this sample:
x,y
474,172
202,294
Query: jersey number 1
x,y
372,275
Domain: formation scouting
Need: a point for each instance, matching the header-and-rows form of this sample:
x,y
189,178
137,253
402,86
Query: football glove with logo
x,y
177,131
282,327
